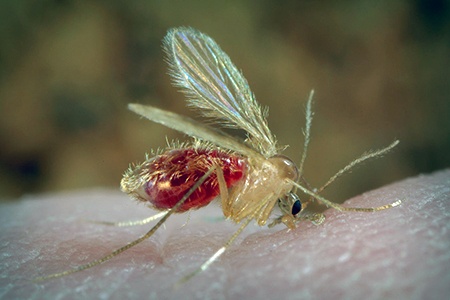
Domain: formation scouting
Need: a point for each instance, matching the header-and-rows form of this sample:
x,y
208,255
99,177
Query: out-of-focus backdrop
x,y
380,69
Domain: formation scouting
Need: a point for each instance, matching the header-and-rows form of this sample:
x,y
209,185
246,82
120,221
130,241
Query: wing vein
x,y
216,87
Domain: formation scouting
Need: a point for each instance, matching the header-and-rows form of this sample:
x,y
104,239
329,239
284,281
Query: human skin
x,y
400,253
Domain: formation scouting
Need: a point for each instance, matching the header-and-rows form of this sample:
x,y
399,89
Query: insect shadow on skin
x,y
251,177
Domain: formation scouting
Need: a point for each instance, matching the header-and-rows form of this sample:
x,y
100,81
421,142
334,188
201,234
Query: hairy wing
x,y
190,127
213,84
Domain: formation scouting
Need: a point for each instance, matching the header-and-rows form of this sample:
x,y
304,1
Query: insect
x,y
252,178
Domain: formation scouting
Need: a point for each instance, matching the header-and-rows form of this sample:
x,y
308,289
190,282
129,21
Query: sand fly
x,y
250,177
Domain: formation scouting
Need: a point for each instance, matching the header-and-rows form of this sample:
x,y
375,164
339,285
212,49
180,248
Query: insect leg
x,y
224,196
131,223
219,252
139,240
216,255
315,218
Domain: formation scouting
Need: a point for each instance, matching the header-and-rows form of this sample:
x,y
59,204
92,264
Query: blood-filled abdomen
x,y
166,178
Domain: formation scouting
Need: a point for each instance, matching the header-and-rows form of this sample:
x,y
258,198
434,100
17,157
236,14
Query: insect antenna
x,y
137,241
371,154
307,131
359,160
343,208
362,158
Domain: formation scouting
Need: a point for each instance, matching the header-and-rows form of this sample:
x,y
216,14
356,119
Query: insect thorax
x,y
265,182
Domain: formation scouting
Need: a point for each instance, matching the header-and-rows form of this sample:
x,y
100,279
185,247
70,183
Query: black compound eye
x,y
296,208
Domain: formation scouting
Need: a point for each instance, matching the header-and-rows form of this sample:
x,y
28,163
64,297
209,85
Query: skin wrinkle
x,y
44,234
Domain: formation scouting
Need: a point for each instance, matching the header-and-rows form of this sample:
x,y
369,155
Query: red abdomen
x,y
172,174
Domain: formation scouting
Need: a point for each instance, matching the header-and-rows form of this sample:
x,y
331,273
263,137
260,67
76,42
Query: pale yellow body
x,y
216,87
266,181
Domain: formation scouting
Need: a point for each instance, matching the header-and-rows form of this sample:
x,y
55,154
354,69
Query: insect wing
x,y
190,127
213,84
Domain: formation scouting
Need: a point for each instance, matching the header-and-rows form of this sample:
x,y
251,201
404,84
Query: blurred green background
x,y
380,69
